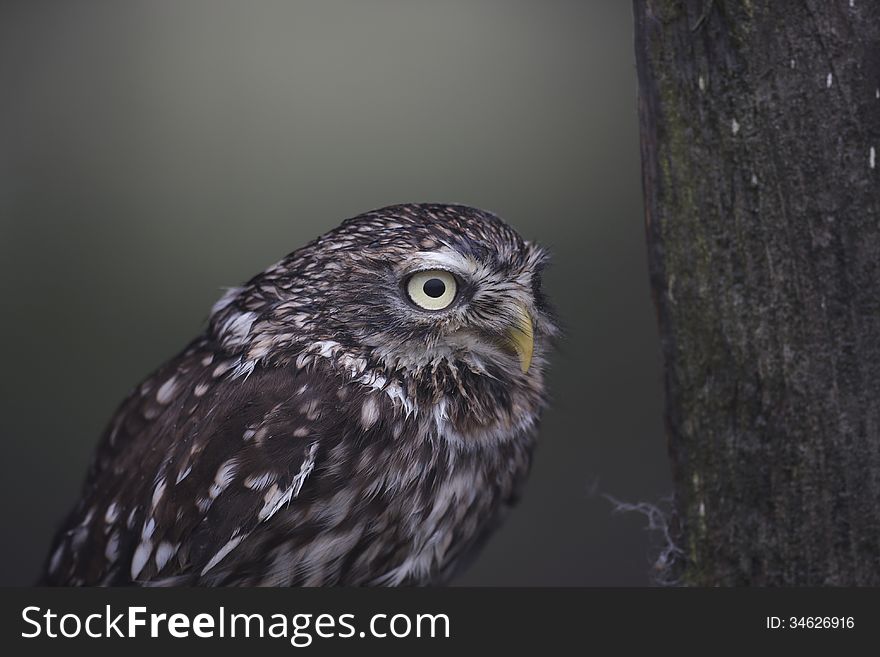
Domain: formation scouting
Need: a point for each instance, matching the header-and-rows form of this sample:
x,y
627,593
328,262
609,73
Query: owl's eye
x,y
432,290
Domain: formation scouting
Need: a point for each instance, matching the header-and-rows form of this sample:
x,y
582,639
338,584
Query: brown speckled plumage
x,y
325,429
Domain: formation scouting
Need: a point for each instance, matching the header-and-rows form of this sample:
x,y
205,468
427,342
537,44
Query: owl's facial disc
x,y
470,306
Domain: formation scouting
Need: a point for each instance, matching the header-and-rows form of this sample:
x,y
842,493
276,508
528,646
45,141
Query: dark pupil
x,y
434,288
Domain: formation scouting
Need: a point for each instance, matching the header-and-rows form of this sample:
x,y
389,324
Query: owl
x,y
362,413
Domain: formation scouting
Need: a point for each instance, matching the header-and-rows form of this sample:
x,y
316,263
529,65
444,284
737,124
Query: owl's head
x,y
406,287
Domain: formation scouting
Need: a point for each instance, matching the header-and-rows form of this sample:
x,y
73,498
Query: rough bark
x,y
760,127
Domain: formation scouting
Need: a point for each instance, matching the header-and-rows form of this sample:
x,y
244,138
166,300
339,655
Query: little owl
x,y
360,413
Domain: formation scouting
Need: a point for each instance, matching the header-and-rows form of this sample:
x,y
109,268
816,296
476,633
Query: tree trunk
x,y
760,127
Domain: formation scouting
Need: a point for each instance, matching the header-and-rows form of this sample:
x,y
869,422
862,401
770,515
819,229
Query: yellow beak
x,y
521,337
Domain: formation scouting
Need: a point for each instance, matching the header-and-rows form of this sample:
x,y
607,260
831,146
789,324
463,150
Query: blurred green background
x,y
153,152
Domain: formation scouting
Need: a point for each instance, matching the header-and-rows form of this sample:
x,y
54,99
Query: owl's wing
x,y
194,460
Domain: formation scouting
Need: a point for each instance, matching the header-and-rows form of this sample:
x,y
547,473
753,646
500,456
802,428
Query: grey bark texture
x,y
760,125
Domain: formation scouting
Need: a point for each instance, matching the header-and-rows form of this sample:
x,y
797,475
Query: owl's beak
x,y
521,337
